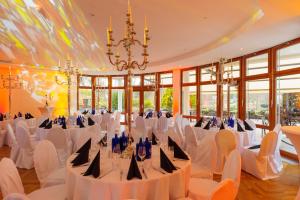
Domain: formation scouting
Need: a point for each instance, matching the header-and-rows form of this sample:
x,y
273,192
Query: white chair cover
x,y
46,163
184,122
209,189
14,151
10,179
226,142
117,121
62,145
232,169
162,125
11,183
24,158
141,129
277,157
179,133
105,120
83,138
258,162
16,196
57,192
111,129
190,141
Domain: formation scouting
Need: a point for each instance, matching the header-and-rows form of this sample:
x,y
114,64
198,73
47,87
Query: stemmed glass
x,y
142,155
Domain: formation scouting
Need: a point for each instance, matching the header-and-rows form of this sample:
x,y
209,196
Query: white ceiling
x,y
194,32
183,32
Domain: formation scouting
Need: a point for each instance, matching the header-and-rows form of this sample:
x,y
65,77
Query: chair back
x,y
111,129
16,196
226,141
224,190
57,136
31,122
178,118
268,144
11,135
232,168
105,120
10,178
134,116
23,137
45,159
179,133
184,122
83,138
278,132
162,124
190,136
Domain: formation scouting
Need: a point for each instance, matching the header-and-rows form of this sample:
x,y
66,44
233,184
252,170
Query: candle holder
x,y
128,42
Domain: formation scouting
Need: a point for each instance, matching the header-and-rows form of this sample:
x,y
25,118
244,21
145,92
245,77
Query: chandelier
x,y
224,76
10,82
122,64
68,70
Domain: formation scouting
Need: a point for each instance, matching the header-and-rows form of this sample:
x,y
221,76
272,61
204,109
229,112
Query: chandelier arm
x,y
120,42
142,66
137,41
122,66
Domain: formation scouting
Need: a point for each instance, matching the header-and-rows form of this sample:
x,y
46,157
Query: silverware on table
x,y
108,172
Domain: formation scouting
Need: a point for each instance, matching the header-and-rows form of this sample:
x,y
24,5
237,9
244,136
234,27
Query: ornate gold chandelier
x,y
128,42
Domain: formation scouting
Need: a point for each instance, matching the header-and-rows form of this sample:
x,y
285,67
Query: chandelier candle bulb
x,y
110,24
108,36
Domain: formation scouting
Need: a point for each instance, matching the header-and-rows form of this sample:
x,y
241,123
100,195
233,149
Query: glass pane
x,y
118,81
102,81
166,99
86,81
233,101
118,100
288,100
208,73
101,98
136,81
135,101
149,100
288,58
232,70
208,100
166,79
189,100
257,101
257,65
85,99
288,105
189,76
149,79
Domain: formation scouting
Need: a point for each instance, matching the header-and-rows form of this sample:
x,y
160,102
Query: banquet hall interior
x,y
149,99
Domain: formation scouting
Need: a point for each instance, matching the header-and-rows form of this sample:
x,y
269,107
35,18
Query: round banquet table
x,y
293,133
112,186
72,134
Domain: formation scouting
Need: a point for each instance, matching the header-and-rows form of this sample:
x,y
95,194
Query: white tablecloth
x,y
151,122
157,186
72,134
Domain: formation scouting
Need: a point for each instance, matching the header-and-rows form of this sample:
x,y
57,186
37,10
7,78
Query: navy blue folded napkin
x,y
207,126
247,126
179,153
94,168
169,115
133,171
49,125
165,162
85,147
91,122
239,127
199,122
159,114
170,142
81,158
222,126
255,147
154,139
44,123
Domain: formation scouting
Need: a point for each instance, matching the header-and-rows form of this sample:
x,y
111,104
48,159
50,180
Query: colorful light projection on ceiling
x,y
40,33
